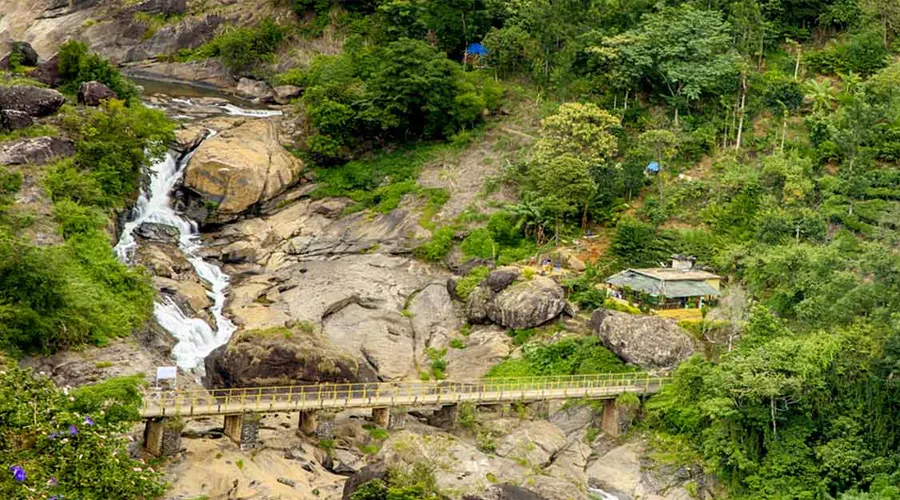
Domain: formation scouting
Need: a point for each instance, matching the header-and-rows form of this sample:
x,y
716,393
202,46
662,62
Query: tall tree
x,y
686,48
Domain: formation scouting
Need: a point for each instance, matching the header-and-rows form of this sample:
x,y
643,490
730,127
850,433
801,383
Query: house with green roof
x,y
680,286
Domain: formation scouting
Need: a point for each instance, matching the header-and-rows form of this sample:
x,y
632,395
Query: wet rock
x,y
93,93
155,231
499,279
241,167
527,304
27,55
35,150
47,72
282,356
254,89
648,341
284,93
33,101
11,119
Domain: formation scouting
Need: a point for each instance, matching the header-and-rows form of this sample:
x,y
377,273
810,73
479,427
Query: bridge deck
x,y
369,395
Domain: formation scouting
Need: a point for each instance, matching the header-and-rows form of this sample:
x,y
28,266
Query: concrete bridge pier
x,y
162,436
309,422
610,422
445,417
243,429
382,417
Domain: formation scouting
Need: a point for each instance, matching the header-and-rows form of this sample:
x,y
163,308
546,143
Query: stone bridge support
x,y
445,417
243,429
382,417
309,422
162,436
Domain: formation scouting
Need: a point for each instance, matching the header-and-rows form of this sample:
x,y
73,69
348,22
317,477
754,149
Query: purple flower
x,y
53,435
88,421
72,430
52,482
18,473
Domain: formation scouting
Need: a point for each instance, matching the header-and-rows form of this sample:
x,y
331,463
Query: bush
x,y
439,246
63,451
77,66
467,284
240,49
570,356
639,244
863,53
615,305
479,243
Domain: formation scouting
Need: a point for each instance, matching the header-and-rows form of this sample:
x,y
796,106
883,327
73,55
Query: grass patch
x,y
570,356
467,284
37,130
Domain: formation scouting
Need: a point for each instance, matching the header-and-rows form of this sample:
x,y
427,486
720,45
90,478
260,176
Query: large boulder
x,y
279,357
499,279
94,93
35,150
648,341
478,305
11,119
284,93
27,55
34,101
47,72
527,304
239,168
254,89
158,7
368,473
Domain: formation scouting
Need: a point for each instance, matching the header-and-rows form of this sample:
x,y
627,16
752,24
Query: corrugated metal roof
x,y
639,280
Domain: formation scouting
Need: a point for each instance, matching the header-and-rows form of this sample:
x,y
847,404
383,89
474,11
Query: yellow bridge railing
x,y
375,394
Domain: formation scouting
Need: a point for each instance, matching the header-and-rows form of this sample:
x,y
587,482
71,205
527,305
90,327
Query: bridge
x,y
163,406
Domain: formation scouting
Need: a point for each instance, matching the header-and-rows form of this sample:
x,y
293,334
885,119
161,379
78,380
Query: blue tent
x,y
653,167
476,49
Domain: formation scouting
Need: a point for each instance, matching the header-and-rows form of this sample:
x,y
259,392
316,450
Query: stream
x,y
195,337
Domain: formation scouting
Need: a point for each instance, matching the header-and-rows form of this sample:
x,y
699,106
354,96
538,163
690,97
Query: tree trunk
x,y
584,215
797,65
740,130
783,133
626,98
676,115
659,179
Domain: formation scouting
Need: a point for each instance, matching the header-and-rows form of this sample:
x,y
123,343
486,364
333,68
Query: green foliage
x,y
467,284
437,364
637,244
438,247
615,305
863,54
94,464
457,344
77,66
479,243
112,401
570,356
241,49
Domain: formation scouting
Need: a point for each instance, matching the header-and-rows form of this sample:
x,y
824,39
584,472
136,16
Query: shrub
x,y
239,49
64,452
570,356
77,66
457,344
439,246
467,284
863,53
639,244
615,305
479,243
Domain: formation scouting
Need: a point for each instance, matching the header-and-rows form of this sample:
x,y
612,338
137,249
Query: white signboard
x,y
166,373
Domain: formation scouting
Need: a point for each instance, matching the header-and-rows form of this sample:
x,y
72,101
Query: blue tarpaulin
x,y
653,167
476,49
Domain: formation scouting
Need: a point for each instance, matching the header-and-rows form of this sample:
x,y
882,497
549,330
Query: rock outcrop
x,y
188,34
25,53
284,93
256,90
47,72
35,150
11,119
33,101
279,357
240,168
528,304
648,341
94,93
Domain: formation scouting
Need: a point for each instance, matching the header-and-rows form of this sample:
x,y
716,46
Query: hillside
x,y
394,190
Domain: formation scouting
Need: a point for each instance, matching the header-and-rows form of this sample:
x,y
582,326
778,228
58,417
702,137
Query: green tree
x,y
684,47
582,130
662,146
562,186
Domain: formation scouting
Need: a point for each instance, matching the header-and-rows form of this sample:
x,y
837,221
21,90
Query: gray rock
x,y
287,482
647,341
11,119
94,93
527,304
35,150
188,34
501,278
284,93
368,473
155,231
254,89
452,283
477,308
34,101
27,55
162,7
47,72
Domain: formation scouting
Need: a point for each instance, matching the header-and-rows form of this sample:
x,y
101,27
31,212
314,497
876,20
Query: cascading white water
x,y
196,338
597,492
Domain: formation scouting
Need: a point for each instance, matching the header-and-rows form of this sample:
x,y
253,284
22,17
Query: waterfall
x,y
602,495
196,339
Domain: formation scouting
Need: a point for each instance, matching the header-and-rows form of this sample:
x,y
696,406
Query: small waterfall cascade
x,y
602,495
196,339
